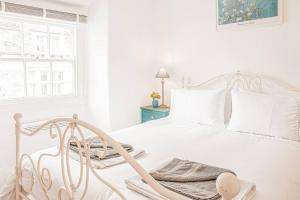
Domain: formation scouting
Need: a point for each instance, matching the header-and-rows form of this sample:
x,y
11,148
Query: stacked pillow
x,y
276,115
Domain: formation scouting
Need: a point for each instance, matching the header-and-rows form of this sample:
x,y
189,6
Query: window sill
x,y
68,99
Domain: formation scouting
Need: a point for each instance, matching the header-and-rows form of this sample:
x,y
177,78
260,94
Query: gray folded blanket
x,y
97,149
194,180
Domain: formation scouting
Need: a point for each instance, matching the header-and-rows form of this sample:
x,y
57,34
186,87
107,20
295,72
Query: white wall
x,y
132,59
122,61
191,46
98,88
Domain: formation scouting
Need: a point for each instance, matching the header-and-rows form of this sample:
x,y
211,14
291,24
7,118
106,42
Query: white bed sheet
x,y
273,165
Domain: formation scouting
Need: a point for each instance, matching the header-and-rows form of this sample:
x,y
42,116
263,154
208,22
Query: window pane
x,y
62,78
10,40
24,42
61,42
35,40
11,79
38,79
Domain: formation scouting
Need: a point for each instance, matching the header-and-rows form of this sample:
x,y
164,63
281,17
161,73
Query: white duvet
x,y
272,164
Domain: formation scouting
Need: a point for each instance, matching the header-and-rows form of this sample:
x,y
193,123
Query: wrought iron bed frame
x,y
71,187
73,132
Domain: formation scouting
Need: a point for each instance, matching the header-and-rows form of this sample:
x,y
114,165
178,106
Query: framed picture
x,y
244,13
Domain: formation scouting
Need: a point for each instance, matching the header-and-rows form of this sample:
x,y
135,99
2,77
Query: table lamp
x,y
162,73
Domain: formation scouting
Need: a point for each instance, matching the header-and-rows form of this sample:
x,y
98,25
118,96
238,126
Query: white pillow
x,y
294,97
178,104
272,115
200,106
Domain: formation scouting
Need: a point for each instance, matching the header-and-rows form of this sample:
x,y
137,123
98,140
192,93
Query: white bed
x,y
272,164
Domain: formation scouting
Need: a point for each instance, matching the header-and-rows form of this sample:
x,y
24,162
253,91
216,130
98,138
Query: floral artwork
x,y
243,11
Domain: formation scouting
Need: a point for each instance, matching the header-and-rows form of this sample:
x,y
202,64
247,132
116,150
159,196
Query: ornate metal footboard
x,y
76,188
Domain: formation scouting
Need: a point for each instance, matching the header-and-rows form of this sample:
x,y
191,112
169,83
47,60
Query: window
x,y
10,39
38,78
12,79
36,58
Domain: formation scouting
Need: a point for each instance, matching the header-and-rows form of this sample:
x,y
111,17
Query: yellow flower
x,y
155,95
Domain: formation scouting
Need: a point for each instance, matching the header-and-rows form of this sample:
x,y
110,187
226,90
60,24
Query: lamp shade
x,y
162,73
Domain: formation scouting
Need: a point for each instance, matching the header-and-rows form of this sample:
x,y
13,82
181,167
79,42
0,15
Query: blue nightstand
x,y
150,113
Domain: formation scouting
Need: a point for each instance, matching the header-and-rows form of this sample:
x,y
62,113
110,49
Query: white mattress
x,y
272,164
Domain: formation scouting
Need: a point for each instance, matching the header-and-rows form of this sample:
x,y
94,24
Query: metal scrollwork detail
x,y
73,188
245,81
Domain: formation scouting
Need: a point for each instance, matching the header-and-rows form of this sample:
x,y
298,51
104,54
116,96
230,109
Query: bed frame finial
x,y
17,118
228,186
75,116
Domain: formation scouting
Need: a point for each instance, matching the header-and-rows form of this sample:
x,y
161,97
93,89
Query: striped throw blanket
x,y
98,150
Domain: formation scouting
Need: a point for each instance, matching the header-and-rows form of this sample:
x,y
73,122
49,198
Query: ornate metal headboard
x,y
248,81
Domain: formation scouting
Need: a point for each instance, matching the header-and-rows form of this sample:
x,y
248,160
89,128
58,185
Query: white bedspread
x,y
273,165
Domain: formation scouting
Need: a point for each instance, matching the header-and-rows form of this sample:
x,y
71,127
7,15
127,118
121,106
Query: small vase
x,y
155,103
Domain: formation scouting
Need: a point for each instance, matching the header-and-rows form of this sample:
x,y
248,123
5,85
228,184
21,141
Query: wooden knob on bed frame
x,y
228,186
17,118
75,116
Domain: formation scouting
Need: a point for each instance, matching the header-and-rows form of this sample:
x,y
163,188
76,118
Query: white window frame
x,y
50,22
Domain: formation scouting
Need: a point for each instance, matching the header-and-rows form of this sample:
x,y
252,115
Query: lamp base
x,y
163,106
